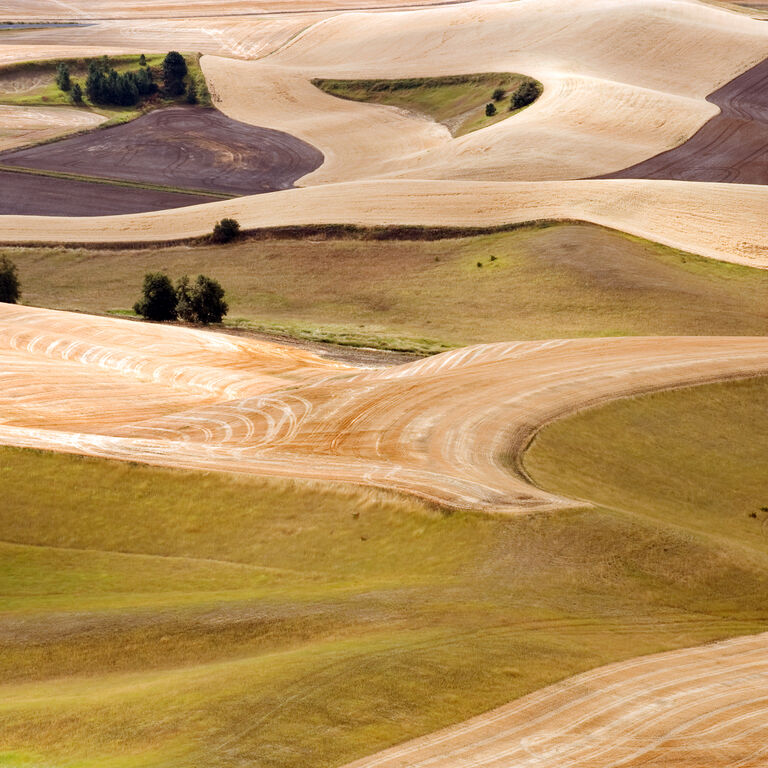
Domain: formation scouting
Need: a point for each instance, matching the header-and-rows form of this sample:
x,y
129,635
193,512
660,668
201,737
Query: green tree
x,y
184,306
142,60
192,93
62,76
174,71
499,94
158,301
77,94
526,94
490,109
225,231
208,305
10,287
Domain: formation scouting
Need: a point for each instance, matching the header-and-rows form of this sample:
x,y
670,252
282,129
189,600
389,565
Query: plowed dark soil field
x,y
181,147
731,147
23,194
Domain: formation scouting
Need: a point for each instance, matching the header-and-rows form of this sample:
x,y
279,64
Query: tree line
x,y
105,85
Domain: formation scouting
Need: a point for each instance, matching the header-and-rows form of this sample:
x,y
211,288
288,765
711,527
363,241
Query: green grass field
x,y
158,618
458,101
562,280
32,83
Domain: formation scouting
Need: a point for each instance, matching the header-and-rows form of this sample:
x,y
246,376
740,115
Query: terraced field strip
x,y
693,707
449,428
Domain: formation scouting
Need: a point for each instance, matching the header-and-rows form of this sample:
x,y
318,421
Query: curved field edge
x,y
233,614
537,282
632,455
456,101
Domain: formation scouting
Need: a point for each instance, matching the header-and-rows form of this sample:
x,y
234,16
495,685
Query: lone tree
x,y
77,94
499,94
158,301
207,296
142,60
225,231
174,71
490,109
62,76
10,287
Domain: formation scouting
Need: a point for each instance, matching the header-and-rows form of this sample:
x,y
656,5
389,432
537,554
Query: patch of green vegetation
x,y
553,281
167,618
47,93
457,101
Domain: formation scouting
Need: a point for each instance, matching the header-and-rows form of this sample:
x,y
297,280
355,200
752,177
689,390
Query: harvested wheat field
x,y
404,428
383,384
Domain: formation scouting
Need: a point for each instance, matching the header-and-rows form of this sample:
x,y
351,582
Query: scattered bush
x,y
499,94
77,94
225,231
158,300
62,76
142,60
490,109
10,287
174,72
526,94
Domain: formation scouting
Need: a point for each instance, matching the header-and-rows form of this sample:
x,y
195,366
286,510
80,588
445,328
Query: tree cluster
x,y
201,301
10,287
105,85
526,94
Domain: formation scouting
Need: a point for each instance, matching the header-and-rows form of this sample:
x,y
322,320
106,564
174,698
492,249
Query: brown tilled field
x,y
180,147
731,147
21,193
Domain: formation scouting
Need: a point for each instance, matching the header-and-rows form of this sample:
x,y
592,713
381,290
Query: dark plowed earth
x,y
24,194
731,147
181,147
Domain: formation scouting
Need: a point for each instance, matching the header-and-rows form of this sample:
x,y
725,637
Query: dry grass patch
x,y
545,282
